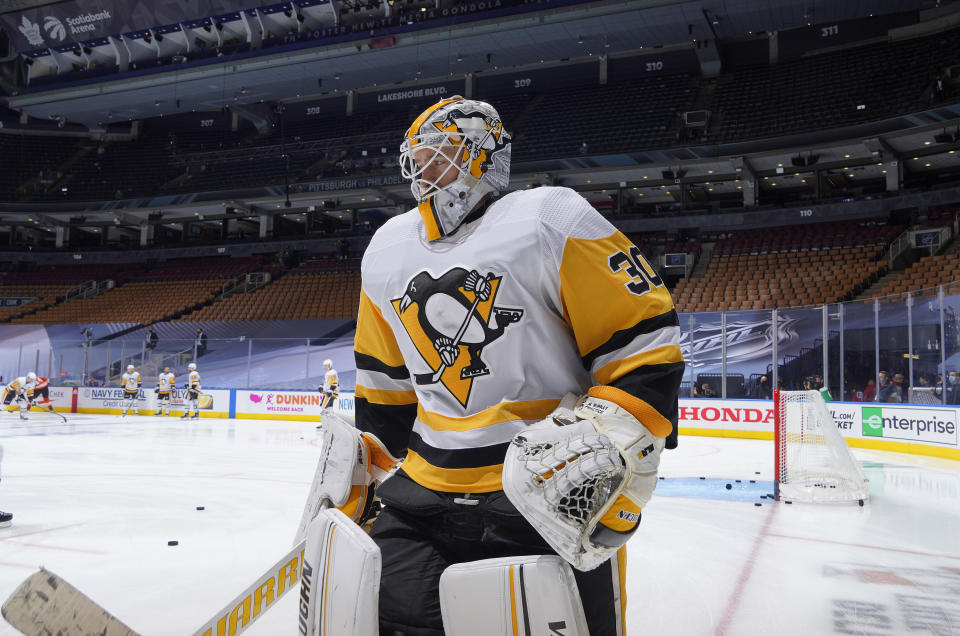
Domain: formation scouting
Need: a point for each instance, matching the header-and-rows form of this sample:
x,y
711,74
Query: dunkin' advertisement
x,y
292,405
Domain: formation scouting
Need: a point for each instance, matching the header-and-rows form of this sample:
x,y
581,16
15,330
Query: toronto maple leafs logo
x,y
450,320
31,31
54,28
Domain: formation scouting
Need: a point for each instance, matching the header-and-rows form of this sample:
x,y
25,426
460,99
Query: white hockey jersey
x,y
165,382
464,341
130,381
331,385
193,381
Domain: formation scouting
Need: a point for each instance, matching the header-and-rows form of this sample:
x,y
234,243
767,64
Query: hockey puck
x,y
753,481
757,473
757,504
200,508
860,501
173,543
728,486
703,478
788,502
738,481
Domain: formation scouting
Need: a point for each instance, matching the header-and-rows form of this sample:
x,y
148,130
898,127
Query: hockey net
x,y
813,461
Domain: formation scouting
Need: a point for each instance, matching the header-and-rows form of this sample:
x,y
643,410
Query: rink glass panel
x,y
862,338
859,349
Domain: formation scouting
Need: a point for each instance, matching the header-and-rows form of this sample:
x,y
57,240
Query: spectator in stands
x,y
584,148
763,388
151,339
938,389
201,342
870,391
887,391
817,382
707,391
953,387
898,383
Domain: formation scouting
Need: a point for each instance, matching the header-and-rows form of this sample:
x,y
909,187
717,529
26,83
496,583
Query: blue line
x,y
711,488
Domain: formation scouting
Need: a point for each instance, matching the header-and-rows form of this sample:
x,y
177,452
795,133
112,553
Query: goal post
x,y
812,461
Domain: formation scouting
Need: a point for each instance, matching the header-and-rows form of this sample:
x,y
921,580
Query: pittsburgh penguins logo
x,y
450,320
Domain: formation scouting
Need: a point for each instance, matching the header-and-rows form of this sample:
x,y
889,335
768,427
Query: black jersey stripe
x,y
624,337
460,457
391,423
369,363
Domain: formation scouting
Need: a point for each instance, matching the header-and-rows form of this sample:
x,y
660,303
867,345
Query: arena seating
x,y
826,90
788,266
924,277
44,294
325,288
145,296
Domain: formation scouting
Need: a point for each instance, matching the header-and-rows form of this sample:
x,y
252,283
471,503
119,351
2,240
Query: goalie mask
x,y
454,154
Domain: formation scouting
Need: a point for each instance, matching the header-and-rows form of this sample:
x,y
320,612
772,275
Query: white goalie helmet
x,y
456,137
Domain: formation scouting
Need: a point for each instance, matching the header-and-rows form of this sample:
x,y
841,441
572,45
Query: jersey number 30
x,y
642,276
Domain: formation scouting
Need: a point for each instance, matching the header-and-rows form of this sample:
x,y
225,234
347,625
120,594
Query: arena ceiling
x,y
576,32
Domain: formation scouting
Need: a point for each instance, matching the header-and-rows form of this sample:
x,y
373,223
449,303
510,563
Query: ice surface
x,y
97,499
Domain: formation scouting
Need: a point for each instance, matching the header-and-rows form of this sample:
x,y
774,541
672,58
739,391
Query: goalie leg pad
x,y
340,588
518,595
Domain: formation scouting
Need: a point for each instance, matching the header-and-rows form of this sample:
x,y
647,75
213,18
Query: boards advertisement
x,y
863,424
212,403
287,405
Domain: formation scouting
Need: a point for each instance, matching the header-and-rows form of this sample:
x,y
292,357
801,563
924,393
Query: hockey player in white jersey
x,y
165,386
331,385
15,393
193,392
131,383
479,312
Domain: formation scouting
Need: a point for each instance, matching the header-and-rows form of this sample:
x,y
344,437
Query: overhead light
x,y
579,39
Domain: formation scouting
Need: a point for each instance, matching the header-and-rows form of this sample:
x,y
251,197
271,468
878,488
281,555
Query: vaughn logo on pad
x,y
938,426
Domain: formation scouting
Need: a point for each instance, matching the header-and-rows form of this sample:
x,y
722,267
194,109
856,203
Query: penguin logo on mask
x,y
450,320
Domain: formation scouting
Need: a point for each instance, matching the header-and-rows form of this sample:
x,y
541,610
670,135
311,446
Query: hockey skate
x,y
6,518
185,416
24,417
196,416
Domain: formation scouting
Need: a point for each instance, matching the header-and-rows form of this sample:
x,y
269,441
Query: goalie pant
x,y
420,532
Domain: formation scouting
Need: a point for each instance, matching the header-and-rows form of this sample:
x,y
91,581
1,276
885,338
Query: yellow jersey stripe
x,y
648,416
503,412
611,371
476,480
513,602
374,336
382,396
596,299
430,222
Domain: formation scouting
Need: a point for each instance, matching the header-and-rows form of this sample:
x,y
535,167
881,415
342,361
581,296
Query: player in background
x,y
39,395
165,385
478,314
331,386
16,391
131,383
193,392
6,518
